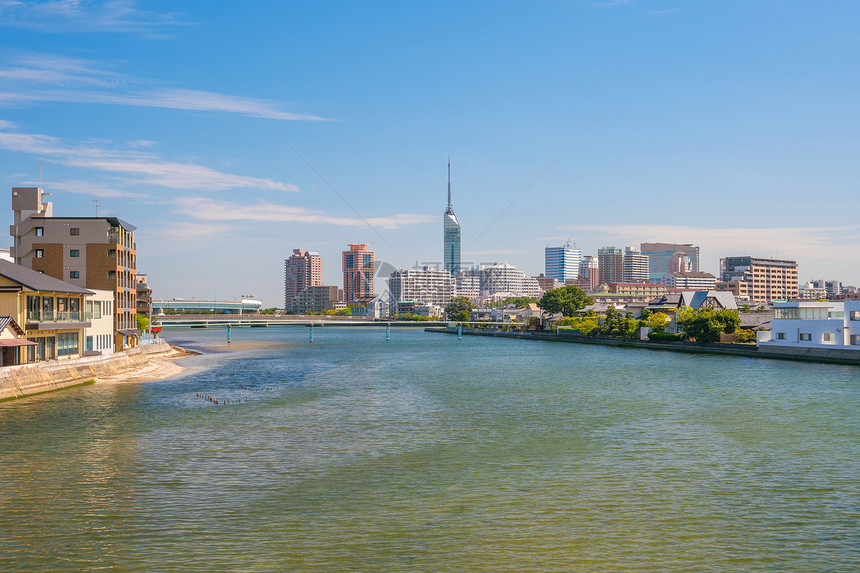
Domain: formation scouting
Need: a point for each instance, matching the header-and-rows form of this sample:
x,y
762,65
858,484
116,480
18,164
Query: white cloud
x,y
208,210
192,230
134,167
95,190
74,80
77,16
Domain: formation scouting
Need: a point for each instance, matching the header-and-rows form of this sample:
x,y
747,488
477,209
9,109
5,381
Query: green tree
x,y
706,324
343,312
656,322
142,322
566,300
459,309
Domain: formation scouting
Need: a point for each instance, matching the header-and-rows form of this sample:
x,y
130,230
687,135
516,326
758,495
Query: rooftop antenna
x,y
96,206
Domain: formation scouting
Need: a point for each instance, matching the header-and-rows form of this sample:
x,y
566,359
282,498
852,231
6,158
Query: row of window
x,y
99,342
826,338
73,231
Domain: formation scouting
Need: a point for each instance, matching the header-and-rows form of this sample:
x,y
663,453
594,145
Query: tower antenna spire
x,y
449,184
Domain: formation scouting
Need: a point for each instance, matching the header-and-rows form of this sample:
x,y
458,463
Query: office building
x,y
358,268
562,263
634,266
610,264
91,252
661,257
451,234
766,280
302,270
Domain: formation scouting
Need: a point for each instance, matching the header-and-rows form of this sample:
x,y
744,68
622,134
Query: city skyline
x,y
738,143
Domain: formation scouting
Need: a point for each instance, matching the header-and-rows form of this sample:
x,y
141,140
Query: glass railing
x,y
58,316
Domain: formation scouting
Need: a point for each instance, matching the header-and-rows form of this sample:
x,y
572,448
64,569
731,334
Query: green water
x,y
429,454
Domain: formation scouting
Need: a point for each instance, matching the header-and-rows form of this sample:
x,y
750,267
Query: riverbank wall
x,y
28,379
824,355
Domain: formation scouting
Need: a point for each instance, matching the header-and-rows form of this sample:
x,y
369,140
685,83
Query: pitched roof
x,y
37,281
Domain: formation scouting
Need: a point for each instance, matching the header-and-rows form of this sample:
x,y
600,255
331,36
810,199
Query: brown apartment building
x,y
763,280
91,252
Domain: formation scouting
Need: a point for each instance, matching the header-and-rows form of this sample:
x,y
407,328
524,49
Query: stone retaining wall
x,y
27,379
826,355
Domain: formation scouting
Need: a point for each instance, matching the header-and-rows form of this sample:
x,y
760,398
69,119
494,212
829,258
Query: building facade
x,y
91,252
634,266
661,256
610,263
505,279
302,270
812,324
468,284
99,335
766,280
589,273
562,263
690,280
425,285
358,268
450,234
319,298
53,313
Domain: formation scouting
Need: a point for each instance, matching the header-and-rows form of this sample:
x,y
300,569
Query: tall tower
x,y
451,233
358,269
302,270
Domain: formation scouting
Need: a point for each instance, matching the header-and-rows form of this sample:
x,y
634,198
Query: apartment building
x,y
318,298
425,285
690,280
90,252
766,280
302,270
634,266
609,265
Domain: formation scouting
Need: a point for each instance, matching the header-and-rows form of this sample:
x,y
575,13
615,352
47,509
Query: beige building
x,y
90,252
318,298
766,280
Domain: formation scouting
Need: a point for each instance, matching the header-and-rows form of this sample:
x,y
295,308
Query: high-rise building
x,y
634,266
766,280
589,273
358,269
302,270
661,255
610,263
451,234
562,263
317,298
425,285
91,252
467,284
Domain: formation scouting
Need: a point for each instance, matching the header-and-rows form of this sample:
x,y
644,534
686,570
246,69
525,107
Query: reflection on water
x,y
425,453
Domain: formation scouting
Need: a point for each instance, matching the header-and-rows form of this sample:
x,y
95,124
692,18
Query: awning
x,y
17,342
128,332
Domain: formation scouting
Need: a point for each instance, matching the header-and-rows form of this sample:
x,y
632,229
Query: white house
x,y
99,336
808,324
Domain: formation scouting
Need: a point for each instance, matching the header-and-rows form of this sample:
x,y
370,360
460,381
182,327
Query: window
x,y
74,231
90,343
855,315
97,310
74,274
67,343
780,336
74,253
40,231
111,274
62,304
828,337
805,336
40,253
855,340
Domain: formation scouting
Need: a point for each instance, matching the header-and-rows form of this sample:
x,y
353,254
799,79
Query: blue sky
x,y
231,133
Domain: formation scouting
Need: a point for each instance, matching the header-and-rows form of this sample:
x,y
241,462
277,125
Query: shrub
x,y
665,337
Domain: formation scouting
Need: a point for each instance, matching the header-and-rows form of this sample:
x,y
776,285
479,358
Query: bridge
x,y
271,320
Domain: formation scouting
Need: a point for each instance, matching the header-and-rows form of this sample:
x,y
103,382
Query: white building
x,y
425,285
808,324
634,266
562,263
468,285
505,278
690,280
99,336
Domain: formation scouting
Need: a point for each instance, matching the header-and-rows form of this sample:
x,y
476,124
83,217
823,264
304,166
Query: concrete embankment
x,y
29,379
825,355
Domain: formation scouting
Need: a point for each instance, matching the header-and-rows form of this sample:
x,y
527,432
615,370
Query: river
x,y
426,453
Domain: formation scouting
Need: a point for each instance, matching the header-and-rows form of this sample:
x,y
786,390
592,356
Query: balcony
x,y
51,320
